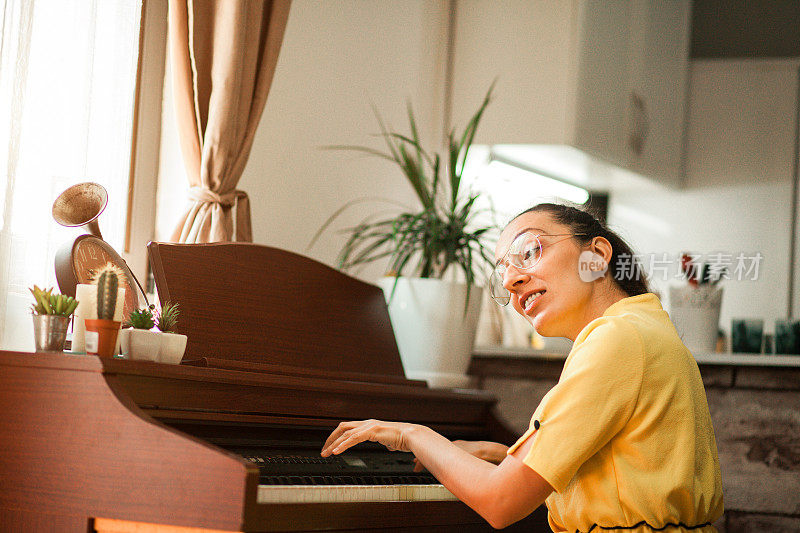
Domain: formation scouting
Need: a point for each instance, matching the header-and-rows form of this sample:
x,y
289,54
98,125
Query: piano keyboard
x,y
351,493
295,476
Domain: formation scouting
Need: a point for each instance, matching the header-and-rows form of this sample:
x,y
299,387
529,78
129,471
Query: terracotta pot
x,y
101,336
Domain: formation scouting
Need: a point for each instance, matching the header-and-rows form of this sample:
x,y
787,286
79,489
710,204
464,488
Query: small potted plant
x,y
51,314
140,342
101,333
172,344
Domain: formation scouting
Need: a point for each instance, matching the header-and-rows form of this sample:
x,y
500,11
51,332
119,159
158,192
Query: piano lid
x,y
255,303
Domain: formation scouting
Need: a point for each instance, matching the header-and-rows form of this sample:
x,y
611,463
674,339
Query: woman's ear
x,y
602,247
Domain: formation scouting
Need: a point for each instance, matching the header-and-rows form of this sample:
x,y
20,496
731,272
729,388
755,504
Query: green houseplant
x,y
141,319
48,303
429,241
423,246
173,344
51,314
167,319
152,337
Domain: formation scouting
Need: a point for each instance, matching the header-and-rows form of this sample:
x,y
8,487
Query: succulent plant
x,y
167,319
107,281
48,303
142,318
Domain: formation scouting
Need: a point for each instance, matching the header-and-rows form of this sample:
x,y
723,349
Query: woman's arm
x,y
494,452
501,494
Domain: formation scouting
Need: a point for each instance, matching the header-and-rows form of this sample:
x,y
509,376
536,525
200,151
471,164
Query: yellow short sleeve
x,y
593,400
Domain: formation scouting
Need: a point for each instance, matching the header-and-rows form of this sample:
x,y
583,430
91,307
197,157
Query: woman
x,y
624,440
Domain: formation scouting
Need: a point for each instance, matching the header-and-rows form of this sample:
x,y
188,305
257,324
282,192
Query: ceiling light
x,y
535,182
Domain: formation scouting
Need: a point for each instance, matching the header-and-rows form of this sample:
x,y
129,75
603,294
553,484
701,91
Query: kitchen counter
x,y
721,359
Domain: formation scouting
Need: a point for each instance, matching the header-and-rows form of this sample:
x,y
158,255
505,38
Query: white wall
x,y
740,157
337,59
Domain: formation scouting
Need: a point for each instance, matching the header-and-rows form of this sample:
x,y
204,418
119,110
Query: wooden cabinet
x,y
608,78
659,78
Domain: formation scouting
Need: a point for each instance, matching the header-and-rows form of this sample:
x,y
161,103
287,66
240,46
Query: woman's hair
x,y
623,268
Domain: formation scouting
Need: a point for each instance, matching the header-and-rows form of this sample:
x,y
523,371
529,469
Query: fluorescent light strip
x,y
543,185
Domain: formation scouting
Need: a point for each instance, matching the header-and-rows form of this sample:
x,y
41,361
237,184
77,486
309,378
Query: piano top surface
x,y
256,303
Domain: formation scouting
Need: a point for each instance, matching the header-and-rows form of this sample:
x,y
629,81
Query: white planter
x,y
172,347
434,336
123,342
144,345
695,313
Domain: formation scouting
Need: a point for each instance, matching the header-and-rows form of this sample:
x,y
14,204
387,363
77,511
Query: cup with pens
x,y
695,304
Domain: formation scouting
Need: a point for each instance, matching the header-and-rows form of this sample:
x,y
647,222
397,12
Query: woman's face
x,y
561,309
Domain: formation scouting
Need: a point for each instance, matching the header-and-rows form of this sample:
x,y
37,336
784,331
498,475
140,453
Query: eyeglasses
x,y
524,254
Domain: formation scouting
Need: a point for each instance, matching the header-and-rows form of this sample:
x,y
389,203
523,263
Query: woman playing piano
x,y
624,440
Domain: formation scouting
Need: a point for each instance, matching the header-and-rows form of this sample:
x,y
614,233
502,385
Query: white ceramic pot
x,y
434,336
144,345
124,342
172,347
695,312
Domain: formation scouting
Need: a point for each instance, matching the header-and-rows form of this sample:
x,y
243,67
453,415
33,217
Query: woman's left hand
x,y
393,435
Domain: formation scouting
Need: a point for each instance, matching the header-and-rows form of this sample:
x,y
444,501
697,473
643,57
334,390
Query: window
x,y
67,86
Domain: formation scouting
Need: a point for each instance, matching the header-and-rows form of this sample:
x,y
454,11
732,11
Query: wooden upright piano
x,y
281,349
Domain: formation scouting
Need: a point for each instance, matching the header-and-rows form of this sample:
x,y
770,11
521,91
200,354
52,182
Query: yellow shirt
x,y
625,437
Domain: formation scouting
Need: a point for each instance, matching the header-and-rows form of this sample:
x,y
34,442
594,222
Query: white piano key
x,y
351,493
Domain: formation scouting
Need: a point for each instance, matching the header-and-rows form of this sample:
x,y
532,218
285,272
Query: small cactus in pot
x,y
107,282
101,333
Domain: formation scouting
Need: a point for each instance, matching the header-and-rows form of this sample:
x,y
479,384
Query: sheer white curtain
x,y
67,83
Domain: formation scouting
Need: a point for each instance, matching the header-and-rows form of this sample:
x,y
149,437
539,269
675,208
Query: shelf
x,y
723,359
522,353
748,359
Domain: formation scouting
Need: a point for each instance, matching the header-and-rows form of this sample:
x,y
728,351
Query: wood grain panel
x,y
71,447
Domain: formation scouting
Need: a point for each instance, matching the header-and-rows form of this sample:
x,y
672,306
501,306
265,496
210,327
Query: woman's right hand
x,y
492,452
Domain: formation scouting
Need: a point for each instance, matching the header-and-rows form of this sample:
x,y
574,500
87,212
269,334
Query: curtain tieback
x,y
236,199
228,199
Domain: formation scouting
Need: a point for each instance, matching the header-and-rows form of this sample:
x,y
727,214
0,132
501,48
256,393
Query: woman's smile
x,y
530,300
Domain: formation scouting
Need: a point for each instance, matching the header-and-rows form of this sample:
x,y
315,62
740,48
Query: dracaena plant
x,y
438,236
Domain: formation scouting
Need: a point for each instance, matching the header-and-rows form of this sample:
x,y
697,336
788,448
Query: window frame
x,y
146,137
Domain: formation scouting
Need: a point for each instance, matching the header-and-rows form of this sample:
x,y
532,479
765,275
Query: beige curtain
x,y
223,55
